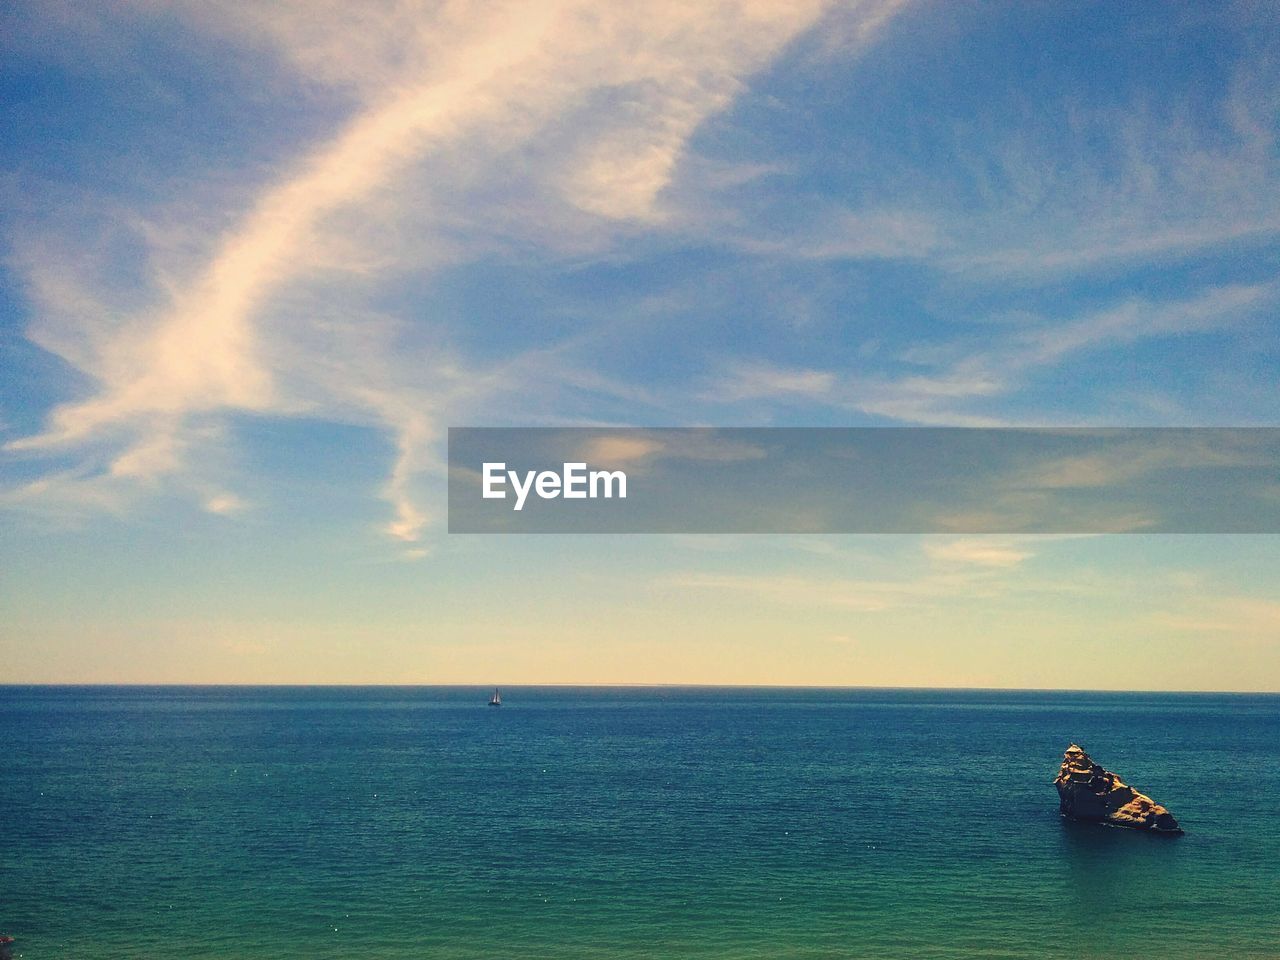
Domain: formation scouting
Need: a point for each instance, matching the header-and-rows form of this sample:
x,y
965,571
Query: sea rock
x,y
1088,792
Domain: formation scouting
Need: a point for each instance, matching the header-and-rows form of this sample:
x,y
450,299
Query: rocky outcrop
x,y
1088,792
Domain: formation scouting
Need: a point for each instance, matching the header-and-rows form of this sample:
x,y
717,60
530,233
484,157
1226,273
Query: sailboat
x,y
496,699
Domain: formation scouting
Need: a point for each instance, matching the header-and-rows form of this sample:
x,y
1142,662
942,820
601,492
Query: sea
x,y
281,823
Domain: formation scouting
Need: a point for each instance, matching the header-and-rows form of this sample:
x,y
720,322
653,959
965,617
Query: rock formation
x,y
1088,792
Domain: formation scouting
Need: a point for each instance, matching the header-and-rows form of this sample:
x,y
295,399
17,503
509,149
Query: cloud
x,y
985,365
1129,459
225,504
1026,186
752,381
1160,184
588,103
982,551
639,446
1248,619
67,497
563,130
620,449
958,570
843,234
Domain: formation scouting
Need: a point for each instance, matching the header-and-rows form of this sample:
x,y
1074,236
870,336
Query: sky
x,y
257,259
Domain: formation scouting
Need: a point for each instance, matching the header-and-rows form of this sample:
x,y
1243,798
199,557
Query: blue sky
x,y
259,257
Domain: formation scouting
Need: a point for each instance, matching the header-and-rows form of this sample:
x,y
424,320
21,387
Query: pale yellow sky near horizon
x,y
1107,613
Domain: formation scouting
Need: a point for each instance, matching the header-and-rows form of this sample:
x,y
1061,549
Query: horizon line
x,y
607,685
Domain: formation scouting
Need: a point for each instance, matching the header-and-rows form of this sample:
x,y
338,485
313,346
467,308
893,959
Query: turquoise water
x,y
389,823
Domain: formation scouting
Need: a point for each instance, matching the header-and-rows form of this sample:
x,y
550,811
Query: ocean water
x,y
169,822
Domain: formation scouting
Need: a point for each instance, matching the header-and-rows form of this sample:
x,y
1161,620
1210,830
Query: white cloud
x,y
1082,184
595,101
752,381
990,365
225,504
981,551
1241,618
621,449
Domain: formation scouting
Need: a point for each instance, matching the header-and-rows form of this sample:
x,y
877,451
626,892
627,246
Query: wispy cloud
x,y
753,381
225,504
982,551
1078,186
593,104
954,568
1241,618
1171,185
941,380
560,129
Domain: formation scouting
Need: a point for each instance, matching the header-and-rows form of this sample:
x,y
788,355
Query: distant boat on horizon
x,y
496,699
